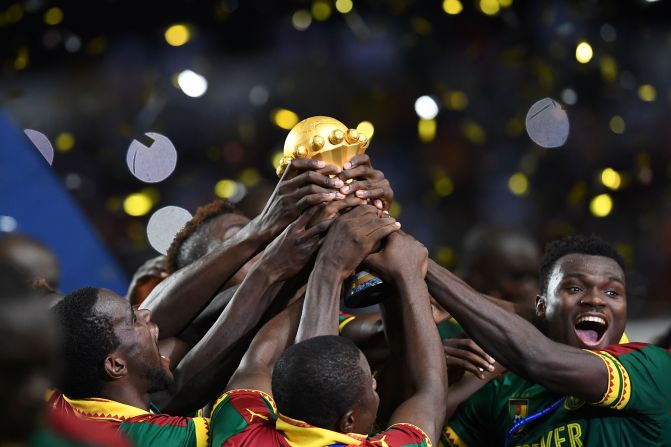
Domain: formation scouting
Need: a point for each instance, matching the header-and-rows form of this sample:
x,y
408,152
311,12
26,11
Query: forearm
x,y
202,323
322,301
423,351
190,289
509,338
193,376
270,342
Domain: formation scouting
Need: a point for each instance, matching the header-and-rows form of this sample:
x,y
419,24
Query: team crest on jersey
x,y
573,403
518,409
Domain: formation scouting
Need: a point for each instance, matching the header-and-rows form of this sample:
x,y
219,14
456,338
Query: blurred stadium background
x,y
224,81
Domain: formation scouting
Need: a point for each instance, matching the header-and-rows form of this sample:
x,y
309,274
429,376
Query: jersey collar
x,y
104,409
300,434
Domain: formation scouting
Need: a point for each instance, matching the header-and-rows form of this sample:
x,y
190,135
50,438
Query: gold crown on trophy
x,y
322,138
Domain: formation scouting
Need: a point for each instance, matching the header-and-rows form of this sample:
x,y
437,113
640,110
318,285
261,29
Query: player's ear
x,y
115,366
540,306
346,422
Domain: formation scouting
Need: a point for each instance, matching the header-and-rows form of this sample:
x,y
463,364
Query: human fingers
x,y
464,351
466,360
316,230
385,229
314,199
299,165
357,160
313,178
471,345
362,172
330,170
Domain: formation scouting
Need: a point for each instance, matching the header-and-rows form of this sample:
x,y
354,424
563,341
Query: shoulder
x,y
639,377
399,435
246,399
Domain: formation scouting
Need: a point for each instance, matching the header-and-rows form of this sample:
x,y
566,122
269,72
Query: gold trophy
x,y
322,138
327,139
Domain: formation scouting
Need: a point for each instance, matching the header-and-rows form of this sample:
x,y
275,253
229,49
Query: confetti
x,y
547,123
164,224
153,159
42,144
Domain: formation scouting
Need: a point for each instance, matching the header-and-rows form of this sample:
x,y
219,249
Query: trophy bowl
x,y
322,138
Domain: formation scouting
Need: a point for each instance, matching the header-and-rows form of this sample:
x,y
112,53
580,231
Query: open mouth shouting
x,y
591,329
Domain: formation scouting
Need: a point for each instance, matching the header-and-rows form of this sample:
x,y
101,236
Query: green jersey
x,y
634,411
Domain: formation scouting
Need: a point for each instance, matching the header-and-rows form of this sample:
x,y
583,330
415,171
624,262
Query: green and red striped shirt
x,y
141,427
250,418
634,410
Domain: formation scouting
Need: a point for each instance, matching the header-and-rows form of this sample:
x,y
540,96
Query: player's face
x,y
139,342
365,411
586,303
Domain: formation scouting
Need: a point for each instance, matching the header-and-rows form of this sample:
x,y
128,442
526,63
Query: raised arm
x,y
516,343
196,375
255,370
403,262
350,239
180,297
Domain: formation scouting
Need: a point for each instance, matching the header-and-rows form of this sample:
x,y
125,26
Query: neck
x,y
126,394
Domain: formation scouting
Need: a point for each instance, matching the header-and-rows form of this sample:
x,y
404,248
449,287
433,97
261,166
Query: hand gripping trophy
x,y
327,139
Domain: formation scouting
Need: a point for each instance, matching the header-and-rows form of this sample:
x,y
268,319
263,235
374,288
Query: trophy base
x,y
364,289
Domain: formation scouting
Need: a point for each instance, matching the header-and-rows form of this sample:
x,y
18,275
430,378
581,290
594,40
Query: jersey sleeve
x,y
472,422
161,430
344,319
639,378
238,410
401,435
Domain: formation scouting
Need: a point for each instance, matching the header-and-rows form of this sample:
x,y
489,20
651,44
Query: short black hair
x,y
581,244
318,380
88,339
187,246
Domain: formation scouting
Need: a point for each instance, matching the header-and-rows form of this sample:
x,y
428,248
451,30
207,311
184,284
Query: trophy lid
x,y
322,138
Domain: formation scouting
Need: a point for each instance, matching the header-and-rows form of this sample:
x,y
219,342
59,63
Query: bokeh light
x,y
301,20
647,93
395,209
137,204
455,100
53,16
344,6
284,118
617,124
65,142
191,83
569,96
321,10
426,107
584,52
177,35
452,7
8,224
518,184
601,205
610,178
426,130
490,7
226,188
444,186
250,177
